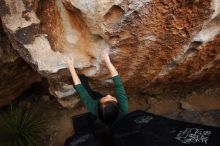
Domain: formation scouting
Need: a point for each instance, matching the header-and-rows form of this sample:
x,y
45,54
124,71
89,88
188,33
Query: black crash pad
x,y
140,128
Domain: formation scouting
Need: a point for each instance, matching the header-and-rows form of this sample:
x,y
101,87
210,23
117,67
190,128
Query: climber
x,y
106,108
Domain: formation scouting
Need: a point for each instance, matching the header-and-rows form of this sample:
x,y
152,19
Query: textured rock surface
x,y
209,100
16,75
157,45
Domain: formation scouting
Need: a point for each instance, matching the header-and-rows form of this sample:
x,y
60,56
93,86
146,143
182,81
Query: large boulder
x,y
156,45
16,75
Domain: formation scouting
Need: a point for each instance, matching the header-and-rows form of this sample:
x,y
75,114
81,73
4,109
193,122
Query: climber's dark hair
x,y
108,136
108,112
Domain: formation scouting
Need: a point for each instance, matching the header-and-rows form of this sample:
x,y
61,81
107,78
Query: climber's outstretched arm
x,y
119,88
84,96
110,66
70,63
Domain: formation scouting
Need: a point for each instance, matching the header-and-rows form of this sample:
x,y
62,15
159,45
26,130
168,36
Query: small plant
x,y
21,127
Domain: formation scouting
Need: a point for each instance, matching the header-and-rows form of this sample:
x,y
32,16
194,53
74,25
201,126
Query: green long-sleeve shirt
x,y
92,105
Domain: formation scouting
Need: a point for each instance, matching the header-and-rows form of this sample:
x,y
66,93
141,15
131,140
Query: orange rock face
x,y
156,45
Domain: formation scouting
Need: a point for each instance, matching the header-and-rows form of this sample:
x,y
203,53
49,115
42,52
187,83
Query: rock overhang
x,y
154,41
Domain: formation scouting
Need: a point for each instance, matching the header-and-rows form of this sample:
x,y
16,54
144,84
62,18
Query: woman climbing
x,y
107,108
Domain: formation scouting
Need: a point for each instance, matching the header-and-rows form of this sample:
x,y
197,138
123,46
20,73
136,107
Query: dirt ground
x,y
203,108
198,107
